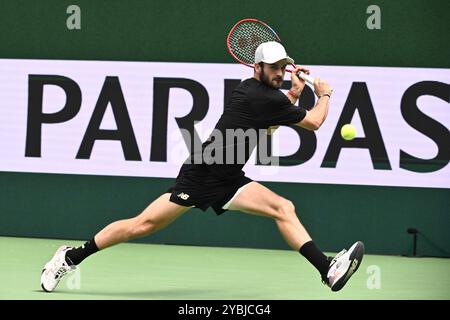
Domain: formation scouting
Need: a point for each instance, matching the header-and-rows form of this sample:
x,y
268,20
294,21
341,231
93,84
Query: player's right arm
x,y
316,116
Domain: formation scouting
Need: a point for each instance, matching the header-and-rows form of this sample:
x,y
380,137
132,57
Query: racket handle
x,y
306,77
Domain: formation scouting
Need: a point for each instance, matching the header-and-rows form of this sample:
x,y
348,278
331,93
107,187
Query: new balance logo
x,y
183,196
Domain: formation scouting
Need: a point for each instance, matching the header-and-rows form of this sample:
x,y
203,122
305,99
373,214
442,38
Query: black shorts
x,y
196,186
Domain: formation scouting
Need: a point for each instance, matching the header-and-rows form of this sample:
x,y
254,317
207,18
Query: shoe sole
x,y
42,285
43,288
356,255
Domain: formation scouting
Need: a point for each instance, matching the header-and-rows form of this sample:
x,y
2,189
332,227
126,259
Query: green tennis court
x,y
145,271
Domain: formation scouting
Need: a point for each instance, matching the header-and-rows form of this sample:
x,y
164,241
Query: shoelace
x,y
333,261
337,257
61,271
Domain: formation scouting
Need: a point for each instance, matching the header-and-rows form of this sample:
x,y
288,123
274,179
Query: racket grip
x,y
306,77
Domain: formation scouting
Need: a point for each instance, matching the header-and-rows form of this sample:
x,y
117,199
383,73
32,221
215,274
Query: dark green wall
x,y
75,206
413,34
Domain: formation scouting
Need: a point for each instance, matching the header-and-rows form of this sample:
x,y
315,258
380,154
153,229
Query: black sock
x,y
76,255
316,257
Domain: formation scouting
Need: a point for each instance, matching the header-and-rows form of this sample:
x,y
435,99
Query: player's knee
x,y
142,228
286,209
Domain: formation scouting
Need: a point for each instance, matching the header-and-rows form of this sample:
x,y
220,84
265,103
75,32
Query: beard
x,y
276,82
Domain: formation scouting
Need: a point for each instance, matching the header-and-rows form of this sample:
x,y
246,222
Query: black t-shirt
x,y
253,106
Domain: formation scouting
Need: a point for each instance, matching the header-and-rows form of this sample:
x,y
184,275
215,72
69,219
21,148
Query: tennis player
x,y
256,104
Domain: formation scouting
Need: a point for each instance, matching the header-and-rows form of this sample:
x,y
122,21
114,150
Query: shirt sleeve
x,y
272,108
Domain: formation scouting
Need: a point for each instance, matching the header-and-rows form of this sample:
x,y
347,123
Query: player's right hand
x,y
297,83
321,87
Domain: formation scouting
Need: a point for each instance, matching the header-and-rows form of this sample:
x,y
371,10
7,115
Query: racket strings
x,y
246,37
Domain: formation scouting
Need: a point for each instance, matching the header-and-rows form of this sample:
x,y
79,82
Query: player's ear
x,y
259,68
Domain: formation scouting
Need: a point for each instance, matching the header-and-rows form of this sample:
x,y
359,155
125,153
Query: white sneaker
x,y
55,269
343,265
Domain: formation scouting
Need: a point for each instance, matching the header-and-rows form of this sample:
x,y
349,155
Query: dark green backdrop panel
x,y
77,206
413,32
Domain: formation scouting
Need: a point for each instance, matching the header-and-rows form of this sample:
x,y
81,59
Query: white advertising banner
x,y
124,119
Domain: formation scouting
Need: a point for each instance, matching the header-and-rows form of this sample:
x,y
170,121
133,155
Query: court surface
x,y
169,272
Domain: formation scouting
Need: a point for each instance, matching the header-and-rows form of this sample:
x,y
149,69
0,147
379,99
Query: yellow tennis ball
x,y
348,132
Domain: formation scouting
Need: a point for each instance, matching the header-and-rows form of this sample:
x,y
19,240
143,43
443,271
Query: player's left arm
x,y
316,116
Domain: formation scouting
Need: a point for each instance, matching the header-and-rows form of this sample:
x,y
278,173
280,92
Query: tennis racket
x,y
246,35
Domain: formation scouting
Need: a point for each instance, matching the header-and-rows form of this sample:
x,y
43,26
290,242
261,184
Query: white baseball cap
x,y
271,52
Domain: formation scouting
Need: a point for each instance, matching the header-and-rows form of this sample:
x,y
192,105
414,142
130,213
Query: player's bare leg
x,y
156,216
259,200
